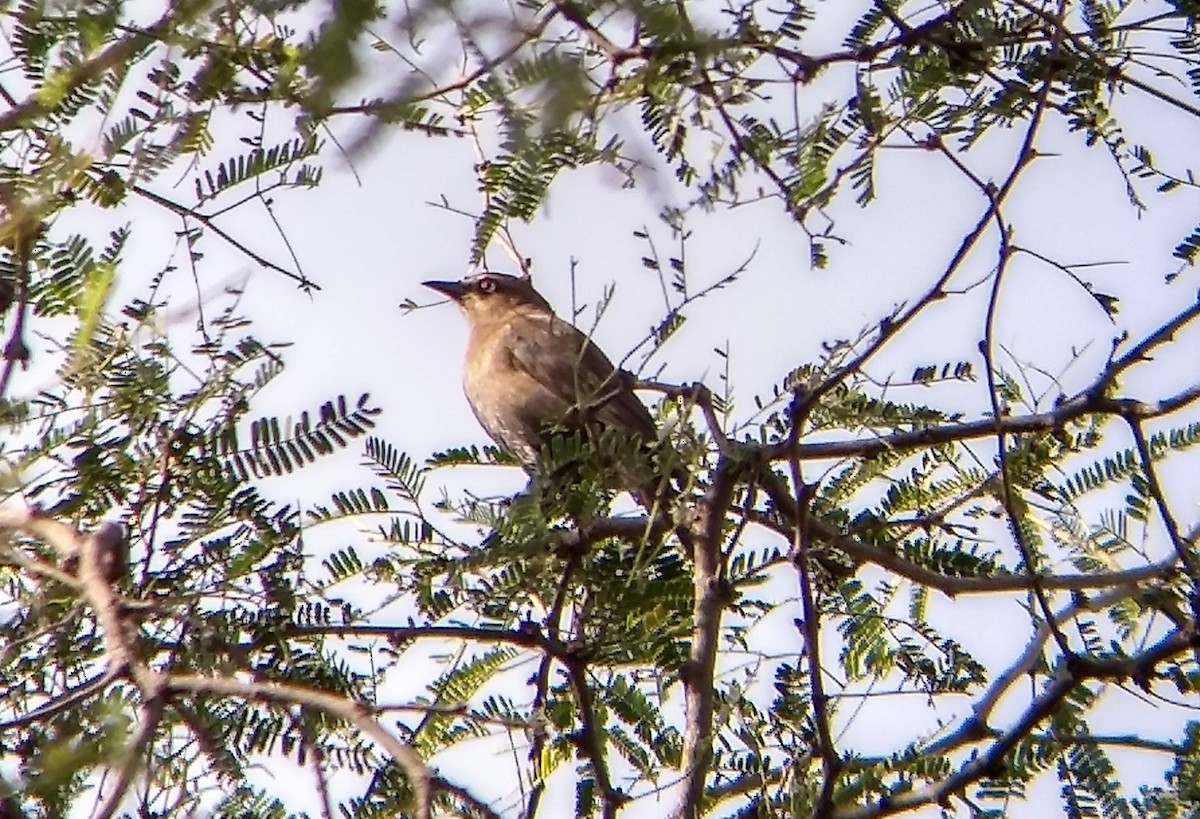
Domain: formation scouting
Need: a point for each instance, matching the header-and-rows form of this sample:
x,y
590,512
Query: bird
x,y
528,374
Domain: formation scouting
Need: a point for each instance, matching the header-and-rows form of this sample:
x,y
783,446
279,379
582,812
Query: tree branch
x,y
352,711
1070,673
709,597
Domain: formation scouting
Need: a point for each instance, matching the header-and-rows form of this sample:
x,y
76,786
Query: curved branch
x,y
1086,404
354,712
152,713
829,534
1068,676
1091,401
975,727
541,681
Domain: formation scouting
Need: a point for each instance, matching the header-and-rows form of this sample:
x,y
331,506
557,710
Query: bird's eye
x,y
487,285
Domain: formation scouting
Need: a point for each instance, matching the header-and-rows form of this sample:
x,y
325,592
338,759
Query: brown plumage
x,y
528,372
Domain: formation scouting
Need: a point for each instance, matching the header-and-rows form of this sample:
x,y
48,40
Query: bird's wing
x,y
566,363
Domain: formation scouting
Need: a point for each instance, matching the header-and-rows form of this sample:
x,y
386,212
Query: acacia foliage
x,y
139,671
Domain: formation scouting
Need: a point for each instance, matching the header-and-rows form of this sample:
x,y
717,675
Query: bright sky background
x,y
370,236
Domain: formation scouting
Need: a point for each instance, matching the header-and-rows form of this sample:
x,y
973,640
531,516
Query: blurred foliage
x,y
569,642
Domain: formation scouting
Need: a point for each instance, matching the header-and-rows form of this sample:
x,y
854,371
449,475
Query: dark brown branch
x,y
900,318
68,699
1012,501
537,726
1069,410
801,555
589,742
1118,740
1183,548
526,638
975,727
1069,674
886,559
208,222
1107,69
802,548
316,760
612,52
24,228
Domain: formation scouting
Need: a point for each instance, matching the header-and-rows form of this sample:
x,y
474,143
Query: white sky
x,y
370,240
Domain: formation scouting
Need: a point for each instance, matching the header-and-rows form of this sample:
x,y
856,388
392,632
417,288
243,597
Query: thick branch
x,y
699,672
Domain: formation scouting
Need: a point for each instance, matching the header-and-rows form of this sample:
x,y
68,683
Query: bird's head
x,y
488,297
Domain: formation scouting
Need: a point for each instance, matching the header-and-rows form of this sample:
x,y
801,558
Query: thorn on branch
x,y
17,350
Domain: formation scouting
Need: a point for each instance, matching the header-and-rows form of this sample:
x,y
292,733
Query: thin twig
x,y
190,213
801,554
1183,548
537,725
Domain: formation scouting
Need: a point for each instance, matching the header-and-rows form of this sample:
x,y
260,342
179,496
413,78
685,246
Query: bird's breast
x,y
501,396
488,372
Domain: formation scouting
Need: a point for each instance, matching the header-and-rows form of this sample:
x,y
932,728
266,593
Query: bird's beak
x,y
454,290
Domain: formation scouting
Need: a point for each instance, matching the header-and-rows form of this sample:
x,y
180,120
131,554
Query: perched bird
x,y
528,374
